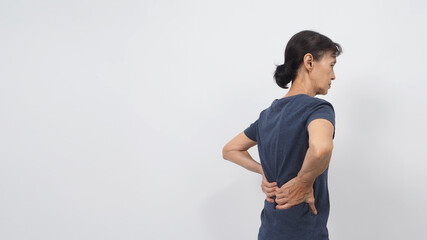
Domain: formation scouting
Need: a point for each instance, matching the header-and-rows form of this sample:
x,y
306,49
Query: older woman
x,y
294,136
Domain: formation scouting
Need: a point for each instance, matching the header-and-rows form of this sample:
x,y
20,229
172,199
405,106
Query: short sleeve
x,y
252,130
323,109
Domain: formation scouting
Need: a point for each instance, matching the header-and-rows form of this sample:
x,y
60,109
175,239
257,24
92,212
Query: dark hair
x,y
300,44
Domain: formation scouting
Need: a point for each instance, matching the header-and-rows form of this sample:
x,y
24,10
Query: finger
x,y
267,190
270,199
281,201
269,184
280,197
270,190
284,206
271,194
313,208
281,190
281,193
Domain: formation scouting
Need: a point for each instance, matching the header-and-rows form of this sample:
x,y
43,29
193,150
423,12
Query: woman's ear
x,y
308,61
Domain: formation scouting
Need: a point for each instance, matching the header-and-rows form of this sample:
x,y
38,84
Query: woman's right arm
x,y
319,152
317,158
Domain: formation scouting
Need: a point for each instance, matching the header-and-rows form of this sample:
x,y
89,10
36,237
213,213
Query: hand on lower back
x,y
293,193
269,188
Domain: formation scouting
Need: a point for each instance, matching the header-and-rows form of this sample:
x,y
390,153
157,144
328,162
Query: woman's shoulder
x,y
310,101
316,102
320,100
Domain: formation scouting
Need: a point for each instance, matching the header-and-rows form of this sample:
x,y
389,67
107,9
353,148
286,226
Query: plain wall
x,y
113,115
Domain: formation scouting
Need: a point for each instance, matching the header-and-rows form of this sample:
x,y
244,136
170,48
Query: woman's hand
x,y
295,192
268,188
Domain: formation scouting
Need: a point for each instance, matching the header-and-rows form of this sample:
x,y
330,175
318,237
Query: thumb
x,y
313,208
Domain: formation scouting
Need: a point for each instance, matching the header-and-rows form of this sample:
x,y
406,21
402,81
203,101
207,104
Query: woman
x,y
295,141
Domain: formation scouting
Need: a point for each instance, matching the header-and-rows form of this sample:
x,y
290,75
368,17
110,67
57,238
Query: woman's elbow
x,y
323,149
225,152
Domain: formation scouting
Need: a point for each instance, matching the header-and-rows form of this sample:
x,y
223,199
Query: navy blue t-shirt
x,y
282,139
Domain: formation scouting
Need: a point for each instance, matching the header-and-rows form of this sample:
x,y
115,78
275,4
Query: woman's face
x,y
323,72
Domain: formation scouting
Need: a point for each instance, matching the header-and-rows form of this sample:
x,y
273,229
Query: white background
x,y
113,115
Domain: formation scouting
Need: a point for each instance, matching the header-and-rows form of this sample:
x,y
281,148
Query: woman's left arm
x,y
236,151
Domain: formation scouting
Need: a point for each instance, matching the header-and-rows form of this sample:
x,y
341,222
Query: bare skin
x,y
313,78
269,188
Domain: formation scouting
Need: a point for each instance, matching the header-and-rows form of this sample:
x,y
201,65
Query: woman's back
x,y
282,138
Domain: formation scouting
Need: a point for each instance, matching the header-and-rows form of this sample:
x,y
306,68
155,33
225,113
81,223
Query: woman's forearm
x,y
244,159
314,164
